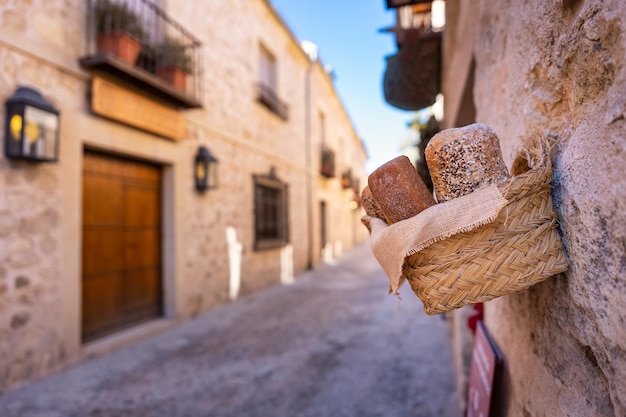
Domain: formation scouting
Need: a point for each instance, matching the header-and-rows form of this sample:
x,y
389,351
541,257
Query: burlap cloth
x,y
392,244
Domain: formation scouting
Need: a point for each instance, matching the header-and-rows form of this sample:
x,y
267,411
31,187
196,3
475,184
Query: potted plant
x,y
119,30
346,179
173,62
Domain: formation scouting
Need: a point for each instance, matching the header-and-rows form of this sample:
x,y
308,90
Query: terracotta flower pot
x,y
173,75
120,44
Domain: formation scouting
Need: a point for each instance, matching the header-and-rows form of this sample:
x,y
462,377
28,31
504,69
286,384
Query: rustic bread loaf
x,y
370,205
461,160
399,190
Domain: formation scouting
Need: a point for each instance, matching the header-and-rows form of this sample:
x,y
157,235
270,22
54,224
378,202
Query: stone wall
x,y
30,255
343,224
32,332
249,140
40,204
560,66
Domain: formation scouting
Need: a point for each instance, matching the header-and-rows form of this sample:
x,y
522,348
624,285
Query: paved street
x,y
333,344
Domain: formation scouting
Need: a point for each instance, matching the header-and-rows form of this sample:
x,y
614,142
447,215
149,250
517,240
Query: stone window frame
x,y
268,69
271,215
267,87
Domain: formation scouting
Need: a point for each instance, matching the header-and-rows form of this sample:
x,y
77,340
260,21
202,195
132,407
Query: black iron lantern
x,y
205,169
32,127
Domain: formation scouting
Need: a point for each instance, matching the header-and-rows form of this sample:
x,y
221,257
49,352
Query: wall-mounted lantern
x,y
32,127
205,169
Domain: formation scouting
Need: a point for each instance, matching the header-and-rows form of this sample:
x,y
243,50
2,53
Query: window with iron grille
x,y
270,213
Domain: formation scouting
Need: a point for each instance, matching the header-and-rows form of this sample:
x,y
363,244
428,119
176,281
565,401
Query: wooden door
x,y
121,250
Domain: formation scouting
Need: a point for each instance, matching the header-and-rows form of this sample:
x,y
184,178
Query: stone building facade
x,y
557,66
204,248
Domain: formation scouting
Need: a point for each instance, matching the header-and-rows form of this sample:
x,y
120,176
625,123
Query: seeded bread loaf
x,y
461,160
399,190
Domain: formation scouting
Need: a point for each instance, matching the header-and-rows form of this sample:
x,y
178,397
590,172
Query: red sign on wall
x,y
485,374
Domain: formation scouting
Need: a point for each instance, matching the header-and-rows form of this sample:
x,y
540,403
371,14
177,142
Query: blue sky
x,y
348,37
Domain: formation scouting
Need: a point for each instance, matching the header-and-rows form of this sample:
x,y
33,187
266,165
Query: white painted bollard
x,y
286,265
235,249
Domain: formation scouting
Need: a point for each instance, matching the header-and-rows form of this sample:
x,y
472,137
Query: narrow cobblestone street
x,y
332,344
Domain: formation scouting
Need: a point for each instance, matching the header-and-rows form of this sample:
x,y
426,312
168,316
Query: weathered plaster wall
x,y
561,66
458,53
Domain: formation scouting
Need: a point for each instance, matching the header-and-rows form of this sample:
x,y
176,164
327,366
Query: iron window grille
x,y
270,212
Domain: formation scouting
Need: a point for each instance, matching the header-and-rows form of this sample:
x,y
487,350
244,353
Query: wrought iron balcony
x,y
137,42
268,97
346,179
327,167
412,76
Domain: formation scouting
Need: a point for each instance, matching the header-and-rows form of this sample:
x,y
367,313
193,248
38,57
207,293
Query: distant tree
x,y
426,132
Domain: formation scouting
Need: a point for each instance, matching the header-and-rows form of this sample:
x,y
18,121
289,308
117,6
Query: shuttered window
x,y
268,70
268,84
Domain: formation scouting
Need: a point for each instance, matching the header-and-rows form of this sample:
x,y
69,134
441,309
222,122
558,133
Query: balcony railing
x,y
346,179
137,42
327,167
412,77
268,97
416,22
394,4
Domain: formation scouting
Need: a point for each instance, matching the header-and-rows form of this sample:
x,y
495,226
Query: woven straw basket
x,y
520,248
